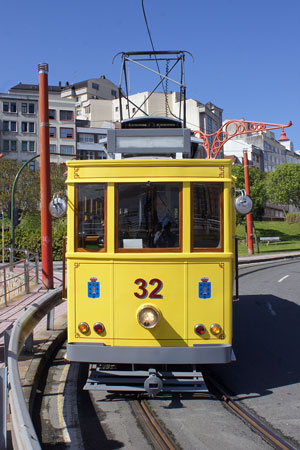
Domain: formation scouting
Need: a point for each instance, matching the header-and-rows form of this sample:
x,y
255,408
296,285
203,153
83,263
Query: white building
x,y
19,124
264,151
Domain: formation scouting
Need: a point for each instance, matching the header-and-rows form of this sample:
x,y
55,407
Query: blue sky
x,y
246,54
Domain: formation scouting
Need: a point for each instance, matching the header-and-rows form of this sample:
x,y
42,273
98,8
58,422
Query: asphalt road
x,y
266,375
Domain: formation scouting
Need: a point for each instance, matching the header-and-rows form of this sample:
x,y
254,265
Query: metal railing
x,y
24,436
16,277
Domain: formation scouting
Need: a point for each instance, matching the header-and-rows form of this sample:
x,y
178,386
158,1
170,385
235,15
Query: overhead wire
x,y
157,65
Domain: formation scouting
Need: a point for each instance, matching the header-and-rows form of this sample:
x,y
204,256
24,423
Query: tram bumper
x,y
198,354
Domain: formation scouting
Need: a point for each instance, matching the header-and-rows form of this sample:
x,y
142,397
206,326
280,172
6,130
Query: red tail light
x,y
199,329
99,327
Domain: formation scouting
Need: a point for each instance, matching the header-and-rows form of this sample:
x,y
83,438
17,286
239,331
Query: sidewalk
x,y
15,308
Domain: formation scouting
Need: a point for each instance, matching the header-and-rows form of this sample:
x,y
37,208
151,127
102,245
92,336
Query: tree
x,y
27,193
58,178
283,185
258,191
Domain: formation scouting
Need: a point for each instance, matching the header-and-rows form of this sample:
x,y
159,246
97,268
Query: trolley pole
x,y
46,225
248,216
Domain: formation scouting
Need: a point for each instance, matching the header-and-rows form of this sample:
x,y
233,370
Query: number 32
x,y
144,292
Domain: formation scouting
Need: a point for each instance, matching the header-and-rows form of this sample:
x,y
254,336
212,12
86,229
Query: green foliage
x,y
28,235
58,178
283,185
292,218
258,192
27,188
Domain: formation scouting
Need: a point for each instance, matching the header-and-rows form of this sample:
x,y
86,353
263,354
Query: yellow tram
x,y
150,260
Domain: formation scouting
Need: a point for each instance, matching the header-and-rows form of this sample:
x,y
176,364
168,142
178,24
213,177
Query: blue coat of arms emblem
x,y
204,288
93,288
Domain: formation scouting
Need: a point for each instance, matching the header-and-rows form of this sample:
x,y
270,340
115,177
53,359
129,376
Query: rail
x,y
16,277
24,436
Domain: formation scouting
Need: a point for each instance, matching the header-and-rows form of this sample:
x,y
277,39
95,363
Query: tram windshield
x,y
90,216
207,220
148,215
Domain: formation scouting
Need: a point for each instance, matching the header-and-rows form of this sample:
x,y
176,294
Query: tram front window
x,y
148,215
90,233
207,219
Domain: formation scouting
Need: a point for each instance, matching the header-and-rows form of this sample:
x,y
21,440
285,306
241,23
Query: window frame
x,y
66,111
178,249
89,250
221,197
65,145
66,137
54,134
54,111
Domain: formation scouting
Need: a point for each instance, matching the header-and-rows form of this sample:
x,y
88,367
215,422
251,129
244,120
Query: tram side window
x,y
90,231
148,216
207,220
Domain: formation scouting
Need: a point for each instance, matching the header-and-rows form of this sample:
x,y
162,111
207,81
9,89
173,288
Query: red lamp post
x,y
248,216
46,225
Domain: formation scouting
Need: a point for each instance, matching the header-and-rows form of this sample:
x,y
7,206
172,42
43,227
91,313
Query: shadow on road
x,y
266,344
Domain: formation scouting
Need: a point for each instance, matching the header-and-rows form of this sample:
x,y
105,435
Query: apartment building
x,y
19,124
93,99
264,151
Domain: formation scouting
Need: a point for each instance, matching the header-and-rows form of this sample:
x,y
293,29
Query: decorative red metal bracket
x,y
231,129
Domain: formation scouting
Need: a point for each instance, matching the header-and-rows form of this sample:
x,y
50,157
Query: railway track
x,y
156,433
265,431
70,416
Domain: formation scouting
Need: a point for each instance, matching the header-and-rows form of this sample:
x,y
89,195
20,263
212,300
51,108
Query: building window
x,y
28,127
28,146
95,86
66,133
9,126
84,137
66,149
116,108
52,132
9,107
66,115
13,146
52,148
52,114
87,109
6,146
27,108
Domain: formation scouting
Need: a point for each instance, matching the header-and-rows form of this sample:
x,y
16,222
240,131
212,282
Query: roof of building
x,y
33,87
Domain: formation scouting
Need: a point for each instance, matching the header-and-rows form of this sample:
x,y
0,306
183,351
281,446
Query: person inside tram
x,y
163,236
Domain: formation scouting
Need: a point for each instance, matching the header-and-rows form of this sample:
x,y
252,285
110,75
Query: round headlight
x,y
83,327
148,316
215,329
